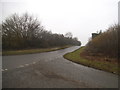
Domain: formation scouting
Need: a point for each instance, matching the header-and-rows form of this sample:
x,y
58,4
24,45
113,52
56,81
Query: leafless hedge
x,y
106,44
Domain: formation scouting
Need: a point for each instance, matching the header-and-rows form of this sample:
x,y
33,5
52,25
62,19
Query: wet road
x,y
50,69
16,61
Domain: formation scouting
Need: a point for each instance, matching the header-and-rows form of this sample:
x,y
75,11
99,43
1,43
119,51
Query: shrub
x,y
105,44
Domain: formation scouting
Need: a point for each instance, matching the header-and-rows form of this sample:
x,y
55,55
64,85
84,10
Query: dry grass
x,y
98,64
31,51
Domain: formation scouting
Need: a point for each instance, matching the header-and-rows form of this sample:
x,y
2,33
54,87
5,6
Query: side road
x,y
32,51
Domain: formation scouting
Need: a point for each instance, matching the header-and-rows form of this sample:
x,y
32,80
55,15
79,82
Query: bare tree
x,y
27,32
17,30
68,35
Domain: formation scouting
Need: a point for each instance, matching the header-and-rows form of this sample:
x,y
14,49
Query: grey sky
x,y
81,17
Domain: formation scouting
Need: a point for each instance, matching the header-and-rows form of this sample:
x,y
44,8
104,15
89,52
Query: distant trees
x,y
19,32
106,43
68,35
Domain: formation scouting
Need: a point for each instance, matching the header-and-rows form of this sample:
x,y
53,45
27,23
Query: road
x,y
51,70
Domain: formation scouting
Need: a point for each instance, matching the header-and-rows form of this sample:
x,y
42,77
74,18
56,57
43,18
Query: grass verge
x,y
101,65
31,51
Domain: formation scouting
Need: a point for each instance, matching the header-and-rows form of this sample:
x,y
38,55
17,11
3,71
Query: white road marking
x,y
34,62
21,66
6,69
26,64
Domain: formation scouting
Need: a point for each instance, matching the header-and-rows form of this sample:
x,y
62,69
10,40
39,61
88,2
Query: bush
x,y
105,44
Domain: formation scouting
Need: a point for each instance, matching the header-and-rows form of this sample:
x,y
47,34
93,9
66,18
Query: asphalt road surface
x,y
51,70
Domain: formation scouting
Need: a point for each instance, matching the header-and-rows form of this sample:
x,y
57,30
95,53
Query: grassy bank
x,y
102,65
31,51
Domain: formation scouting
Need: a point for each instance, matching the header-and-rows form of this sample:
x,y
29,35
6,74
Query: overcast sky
x,y
81,17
